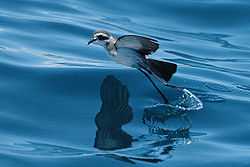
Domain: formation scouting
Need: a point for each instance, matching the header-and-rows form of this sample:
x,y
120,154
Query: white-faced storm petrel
x,y
134,51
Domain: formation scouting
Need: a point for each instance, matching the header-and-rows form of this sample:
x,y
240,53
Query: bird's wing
x,y
143,45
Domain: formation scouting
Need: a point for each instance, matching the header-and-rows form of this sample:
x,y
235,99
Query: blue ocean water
x,y
63,103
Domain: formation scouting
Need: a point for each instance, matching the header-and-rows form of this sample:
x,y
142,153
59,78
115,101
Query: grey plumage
x,y
143,45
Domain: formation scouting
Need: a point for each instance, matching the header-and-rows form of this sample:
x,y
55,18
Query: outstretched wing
x,y
143,45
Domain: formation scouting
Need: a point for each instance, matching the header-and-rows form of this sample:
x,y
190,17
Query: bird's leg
x,y
158,90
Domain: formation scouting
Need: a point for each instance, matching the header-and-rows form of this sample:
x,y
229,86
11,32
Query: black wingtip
x,y
162,69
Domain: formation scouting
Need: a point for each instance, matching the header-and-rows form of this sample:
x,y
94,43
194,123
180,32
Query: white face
x,y
100,38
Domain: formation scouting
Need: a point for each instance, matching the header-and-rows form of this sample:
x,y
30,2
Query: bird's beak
x,y
91,41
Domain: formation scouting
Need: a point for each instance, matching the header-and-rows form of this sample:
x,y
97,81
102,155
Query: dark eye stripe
x,y
101,37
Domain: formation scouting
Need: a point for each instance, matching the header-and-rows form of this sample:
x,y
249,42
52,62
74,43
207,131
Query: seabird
x,y
133,51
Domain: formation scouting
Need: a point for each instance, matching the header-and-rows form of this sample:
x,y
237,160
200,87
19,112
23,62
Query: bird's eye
x,y
102,38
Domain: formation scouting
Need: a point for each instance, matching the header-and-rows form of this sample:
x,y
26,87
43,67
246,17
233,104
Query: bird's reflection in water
x,y
115,112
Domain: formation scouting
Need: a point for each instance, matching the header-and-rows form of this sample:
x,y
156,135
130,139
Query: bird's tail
x,y
163,70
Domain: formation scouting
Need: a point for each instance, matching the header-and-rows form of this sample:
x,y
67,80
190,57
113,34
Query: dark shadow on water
x,y
115,112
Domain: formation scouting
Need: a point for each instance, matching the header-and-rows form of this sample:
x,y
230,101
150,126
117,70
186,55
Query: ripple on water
x,y
217,87
200,59
243,87
40,149
208,97
204,36
157,117
2,48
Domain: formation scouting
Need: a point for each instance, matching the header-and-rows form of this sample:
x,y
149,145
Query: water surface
x,y
63,103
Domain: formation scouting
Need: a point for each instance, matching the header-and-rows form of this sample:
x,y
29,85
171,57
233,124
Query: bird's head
x,y
100,37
